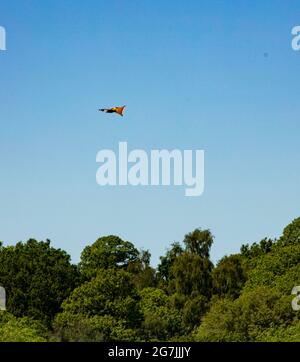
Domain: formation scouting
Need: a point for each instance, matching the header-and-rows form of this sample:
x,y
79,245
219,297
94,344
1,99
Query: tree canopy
x,y
114,294
108,252
37,278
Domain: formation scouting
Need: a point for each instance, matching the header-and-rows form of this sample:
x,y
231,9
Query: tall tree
x,y
291,233
166,262
107,252
229,276
192,275
199,242
144,275
37,278
102,306
161,320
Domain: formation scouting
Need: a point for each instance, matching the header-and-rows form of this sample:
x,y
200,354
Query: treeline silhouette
x,y
114,294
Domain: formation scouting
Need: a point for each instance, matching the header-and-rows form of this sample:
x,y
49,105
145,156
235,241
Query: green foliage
x,y
143,275
112,296
166,262
291,234
246,318
192,275
14,329
108,252
115,294
161,320
196,279
281,334
255,250
199,242
37,278
229,276
280,268
263,310
193,311
69,327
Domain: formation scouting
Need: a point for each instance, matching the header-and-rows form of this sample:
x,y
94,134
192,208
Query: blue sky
x,y
214,75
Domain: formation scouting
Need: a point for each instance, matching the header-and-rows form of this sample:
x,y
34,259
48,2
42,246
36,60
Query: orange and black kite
x,y
118,110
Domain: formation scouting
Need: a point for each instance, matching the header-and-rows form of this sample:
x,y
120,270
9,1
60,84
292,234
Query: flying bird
x,y
118,110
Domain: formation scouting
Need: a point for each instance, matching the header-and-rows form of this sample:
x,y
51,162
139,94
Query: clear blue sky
x,y
214,75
